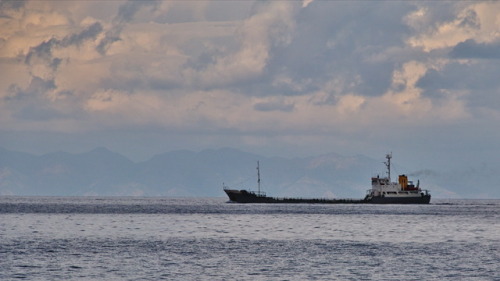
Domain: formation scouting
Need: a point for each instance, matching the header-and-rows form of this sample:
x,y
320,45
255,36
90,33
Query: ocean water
x,y
82,238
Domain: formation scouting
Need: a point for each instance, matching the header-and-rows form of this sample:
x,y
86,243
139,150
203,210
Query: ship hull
x,y
422,199
243,196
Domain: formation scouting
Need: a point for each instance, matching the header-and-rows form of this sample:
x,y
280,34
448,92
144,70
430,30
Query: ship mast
x,y
258,178
388,165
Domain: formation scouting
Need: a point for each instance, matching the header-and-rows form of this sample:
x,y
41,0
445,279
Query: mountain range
x,y
101,172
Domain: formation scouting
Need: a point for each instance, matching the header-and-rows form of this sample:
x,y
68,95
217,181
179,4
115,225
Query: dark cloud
x,y
110,37
203,61
43,52
330,41
90,32
126,13
457,76
470,49
480,80
36,87
39,85
433,80
470,20
10,4
29,103
337,40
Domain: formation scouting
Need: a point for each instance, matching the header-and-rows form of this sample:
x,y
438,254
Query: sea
x,y
130,238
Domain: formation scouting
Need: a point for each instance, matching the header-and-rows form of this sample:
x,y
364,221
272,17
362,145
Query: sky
x,y
278,78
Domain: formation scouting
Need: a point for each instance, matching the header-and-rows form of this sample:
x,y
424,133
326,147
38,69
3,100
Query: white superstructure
x,y
385,190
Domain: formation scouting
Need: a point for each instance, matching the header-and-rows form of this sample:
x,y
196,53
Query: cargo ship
x,y
383,191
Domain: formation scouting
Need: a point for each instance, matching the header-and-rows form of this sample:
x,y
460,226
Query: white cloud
x,y
479,21
306,3
350,104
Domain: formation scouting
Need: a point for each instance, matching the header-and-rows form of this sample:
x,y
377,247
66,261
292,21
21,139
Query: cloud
x,y
43,53
126,13
37,103
305,3
473,82
6,6
462,21
274,105
332,72
88,33
470,49
329,43
36,87
269,25
44,66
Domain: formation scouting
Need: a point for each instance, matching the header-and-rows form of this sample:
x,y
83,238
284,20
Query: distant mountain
x,y
101,172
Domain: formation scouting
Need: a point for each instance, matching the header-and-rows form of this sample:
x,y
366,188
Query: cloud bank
x,y
335,75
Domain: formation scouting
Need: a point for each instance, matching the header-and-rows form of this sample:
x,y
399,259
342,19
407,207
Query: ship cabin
x,y
384,186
